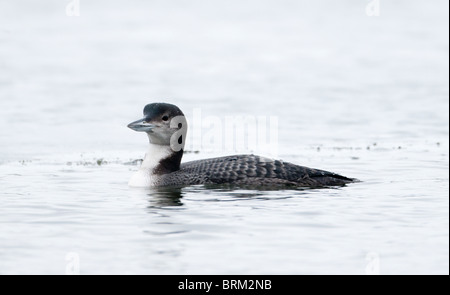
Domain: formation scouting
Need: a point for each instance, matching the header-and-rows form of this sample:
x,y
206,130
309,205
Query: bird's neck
x,y
161,159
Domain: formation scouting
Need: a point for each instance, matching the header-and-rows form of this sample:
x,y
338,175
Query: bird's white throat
x,y
145,177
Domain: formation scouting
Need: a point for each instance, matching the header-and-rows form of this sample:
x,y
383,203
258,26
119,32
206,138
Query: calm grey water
x,y
363,96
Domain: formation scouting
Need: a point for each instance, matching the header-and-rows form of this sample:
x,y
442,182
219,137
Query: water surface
x,y
363,96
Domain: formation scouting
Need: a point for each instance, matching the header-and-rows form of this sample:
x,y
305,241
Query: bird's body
x,y
251,170
162,164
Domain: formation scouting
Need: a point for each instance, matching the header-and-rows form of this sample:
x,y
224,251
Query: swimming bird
x,y
166,128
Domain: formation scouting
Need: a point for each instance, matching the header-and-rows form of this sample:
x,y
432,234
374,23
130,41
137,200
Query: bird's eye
x,y
165,118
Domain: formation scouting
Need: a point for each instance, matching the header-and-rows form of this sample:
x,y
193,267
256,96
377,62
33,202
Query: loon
x,y
166,128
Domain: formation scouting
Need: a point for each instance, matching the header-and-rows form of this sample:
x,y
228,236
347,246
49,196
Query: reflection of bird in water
x,y
165,197
166,128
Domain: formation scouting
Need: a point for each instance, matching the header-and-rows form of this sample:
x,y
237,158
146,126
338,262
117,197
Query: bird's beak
x,y
141,126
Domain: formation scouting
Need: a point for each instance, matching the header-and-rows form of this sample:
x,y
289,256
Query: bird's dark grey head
x,y
164,123
161,112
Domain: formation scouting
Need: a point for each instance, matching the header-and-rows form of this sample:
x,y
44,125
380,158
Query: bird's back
x,y
251,170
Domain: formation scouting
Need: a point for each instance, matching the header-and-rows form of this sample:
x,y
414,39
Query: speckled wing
x,y
252,170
